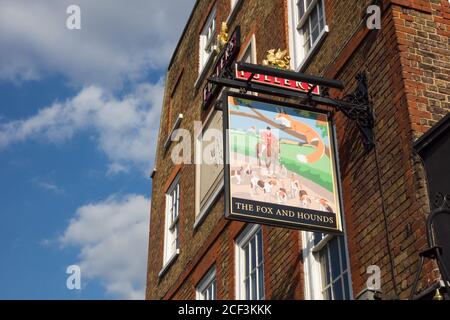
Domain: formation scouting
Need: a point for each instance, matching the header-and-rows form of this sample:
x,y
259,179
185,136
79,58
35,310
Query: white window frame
x,y
312,267
241,242
251,46
207,40
300,58
208,282
251,49
233,4
171,231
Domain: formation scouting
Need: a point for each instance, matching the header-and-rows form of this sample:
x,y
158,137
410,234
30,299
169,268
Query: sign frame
x,y
229,215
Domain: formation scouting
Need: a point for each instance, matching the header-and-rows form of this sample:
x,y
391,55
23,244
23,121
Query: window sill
x,y
234,12
174,223
175,127
169,263
204,212
322,243
305,63
204,69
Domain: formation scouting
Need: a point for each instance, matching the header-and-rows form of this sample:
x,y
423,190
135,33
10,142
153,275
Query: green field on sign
x,y
318,172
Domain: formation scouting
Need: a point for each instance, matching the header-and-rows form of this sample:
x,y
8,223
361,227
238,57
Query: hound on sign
x,y
280,165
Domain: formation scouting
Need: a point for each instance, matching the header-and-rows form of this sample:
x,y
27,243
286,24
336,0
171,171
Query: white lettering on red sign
x,y
278,82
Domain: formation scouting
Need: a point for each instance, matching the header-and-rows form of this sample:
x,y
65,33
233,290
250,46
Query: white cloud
x,y
120,43
113,240
48,186
116,168
125,128
119,40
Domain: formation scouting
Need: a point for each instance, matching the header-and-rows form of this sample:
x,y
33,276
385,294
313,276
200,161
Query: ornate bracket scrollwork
x,y
357,107
441,201
228,72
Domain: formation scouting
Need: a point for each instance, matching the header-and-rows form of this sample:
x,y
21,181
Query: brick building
x,y
194,252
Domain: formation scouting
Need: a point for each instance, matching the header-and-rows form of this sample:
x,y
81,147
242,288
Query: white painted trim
x,y
291,28
169,225
203,44
245,236
253,56
233,10
203,71
236,2
311,269
175,127
169,263
298,63
322,243
251,43
206,281
307,13
314,49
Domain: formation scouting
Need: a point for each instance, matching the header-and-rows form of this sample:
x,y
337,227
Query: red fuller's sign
x,y
277,82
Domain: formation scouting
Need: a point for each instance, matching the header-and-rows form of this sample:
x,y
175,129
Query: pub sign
x,y
280,165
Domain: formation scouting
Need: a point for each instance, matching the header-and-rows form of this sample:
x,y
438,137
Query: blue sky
x,y
79,114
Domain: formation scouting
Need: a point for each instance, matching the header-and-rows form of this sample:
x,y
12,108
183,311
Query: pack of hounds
x,y
273,187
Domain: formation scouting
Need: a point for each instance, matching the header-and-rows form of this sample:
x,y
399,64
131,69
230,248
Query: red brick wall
x,y
423,38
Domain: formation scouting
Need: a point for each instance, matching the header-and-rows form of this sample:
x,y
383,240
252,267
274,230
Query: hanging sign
x,y
280,165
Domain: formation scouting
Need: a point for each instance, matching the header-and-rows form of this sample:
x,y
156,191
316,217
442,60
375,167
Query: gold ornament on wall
x,y
438,296
222,37
277,59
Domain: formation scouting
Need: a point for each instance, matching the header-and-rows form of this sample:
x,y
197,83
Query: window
x,y
169,115
175,95
249,54
206,290
308,26
171,223
250,264
207,37
233,4
326,267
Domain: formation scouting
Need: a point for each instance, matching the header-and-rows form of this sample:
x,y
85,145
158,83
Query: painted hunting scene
x,y
281,155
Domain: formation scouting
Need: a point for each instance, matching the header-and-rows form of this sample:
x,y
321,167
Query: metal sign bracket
x,y
356,106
